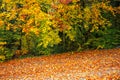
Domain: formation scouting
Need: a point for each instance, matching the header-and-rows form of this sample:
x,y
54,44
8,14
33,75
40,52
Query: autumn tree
x,y
46,26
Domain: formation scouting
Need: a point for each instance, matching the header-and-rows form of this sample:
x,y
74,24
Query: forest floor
x,y
86,65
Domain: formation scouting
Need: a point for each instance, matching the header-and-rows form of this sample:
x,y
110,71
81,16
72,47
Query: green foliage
x,y
41,27
5,54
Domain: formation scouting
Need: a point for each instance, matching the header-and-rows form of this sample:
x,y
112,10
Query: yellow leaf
x,y
2,57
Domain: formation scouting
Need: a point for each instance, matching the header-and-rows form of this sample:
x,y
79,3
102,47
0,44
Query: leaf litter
x,y
86,65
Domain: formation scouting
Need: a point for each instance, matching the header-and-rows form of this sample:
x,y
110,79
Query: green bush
x,y
5,54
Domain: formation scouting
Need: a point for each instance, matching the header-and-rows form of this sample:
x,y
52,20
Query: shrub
x,y
5,54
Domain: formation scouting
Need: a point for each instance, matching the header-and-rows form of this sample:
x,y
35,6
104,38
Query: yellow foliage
x,y
6,1
75,1
1,22
2,57
50,39
35,30
24,51
59,18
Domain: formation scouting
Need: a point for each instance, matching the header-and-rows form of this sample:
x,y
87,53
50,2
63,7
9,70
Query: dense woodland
x,y
43,27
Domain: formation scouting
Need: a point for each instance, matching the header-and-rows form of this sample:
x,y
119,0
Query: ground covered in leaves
x,y
86,65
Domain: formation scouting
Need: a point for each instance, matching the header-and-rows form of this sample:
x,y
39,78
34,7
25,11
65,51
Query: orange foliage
x,y
65,1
